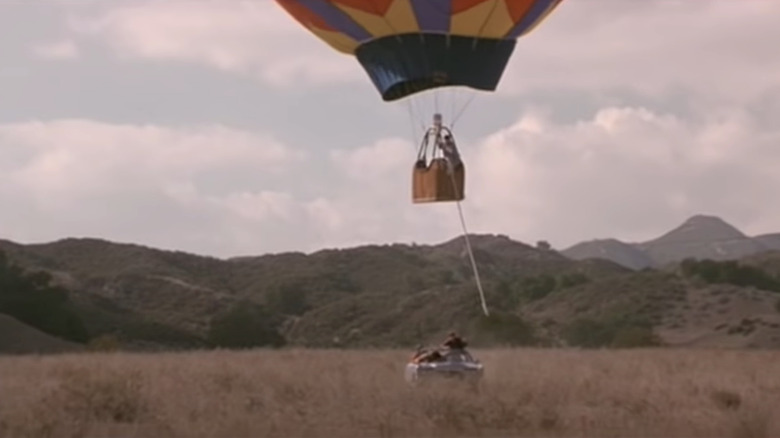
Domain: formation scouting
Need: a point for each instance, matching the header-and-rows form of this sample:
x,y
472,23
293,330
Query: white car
x,y
456,364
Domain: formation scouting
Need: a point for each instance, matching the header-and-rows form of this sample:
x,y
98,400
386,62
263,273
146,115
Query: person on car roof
x,y
454,342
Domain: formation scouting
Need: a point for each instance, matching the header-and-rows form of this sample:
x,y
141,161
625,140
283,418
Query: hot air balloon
x,y
414,47
408,47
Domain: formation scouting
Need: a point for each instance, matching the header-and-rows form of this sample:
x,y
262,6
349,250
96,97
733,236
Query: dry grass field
x,y
298,393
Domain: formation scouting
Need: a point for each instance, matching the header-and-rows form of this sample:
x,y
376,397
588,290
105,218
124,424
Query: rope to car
x,y
464,227
468,244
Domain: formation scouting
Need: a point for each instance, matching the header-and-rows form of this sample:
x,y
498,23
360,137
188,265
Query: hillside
x,y
771,241
699,237
19,338
611,249
371,295
681,310
403,295
702,237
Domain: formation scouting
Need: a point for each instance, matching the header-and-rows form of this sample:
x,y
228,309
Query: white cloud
x,y
68,177
82,157
63,49
385,157
246,37
208,189
260,206
626,172
722,48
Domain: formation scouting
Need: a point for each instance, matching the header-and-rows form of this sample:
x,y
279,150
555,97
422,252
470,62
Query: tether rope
x,y
477,280
472,260
426,133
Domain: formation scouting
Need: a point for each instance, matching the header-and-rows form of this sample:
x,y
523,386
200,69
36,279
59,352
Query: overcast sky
x,y
225,128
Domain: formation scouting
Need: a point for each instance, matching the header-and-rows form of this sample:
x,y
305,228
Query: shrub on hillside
x,y
543,245
618,332
447,277
538,287
503,295
509,292
104,343
31,298
245,325
635,337
730,272
505,329
571,280
587,333
288,299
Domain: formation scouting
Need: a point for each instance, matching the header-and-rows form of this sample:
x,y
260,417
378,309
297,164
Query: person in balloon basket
x,y
451,153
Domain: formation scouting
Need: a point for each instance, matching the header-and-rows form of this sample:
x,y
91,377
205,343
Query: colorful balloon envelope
x,y
410,46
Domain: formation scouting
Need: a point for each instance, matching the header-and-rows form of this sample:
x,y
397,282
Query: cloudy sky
x,y
225,128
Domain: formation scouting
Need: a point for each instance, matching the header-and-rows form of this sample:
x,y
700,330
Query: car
x,y
457,364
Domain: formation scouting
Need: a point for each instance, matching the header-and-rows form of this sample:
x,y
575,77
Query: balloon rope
x,y
453,101
462,110
468,244
455,189
410,111
471,257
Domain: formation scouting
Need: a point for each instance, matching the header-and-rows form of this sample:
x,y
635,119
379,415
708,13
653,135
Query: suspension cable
x,y
462,110
468,244
473,262
461,216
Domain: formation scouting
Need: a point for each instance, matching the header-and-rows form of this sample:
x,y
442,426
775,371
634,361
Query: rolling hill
x,y
611,249
402,295
19,338
771,241
699,237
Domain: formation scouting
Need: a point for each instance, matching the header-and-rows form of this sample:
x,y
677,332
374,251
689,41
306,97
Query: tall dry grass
x,y
298,393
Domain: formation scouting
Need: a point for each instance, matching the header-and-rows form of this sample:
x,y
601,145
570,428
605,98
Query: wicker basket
x,y
435,184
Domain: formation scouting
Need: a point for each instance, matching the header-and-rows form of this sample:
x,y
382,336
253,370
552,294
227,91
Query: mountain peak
x,y
609,249
706,220
700,228
701,236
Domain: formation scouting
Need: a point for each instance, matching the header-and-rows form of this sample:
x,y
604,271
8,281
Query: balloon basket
x,y
434,183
